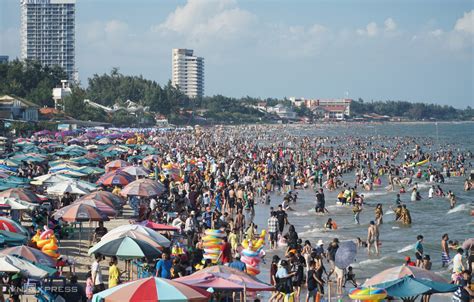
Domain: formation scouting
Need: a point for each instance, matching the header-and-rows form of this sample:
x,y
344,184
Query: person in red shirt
x,y
226,252
408,261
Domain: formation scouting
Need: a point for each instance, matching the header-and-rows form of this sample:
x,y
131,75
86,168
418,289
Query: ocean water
x,y
430,217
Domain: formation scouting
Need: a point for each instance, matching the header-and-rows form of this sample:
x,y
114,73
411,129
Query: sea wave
x,y
369,262
406,248
459,208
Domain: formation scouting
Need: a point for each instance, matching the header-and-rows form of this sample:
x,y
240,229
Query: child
x,y
427,262
89,286
350,276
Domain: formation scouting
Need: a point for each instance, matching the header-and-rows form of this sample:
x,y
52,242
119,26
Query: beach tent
x,y
152,289
409,288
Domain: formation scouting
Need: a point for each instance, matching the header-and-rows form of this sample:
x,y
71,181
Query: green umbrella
x,y
409,288
12,239
126,248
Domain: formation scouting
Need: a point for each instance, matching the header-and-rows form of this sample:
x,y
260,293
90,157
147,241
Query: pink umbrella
x,y
398,272
158,226
102,206
224,278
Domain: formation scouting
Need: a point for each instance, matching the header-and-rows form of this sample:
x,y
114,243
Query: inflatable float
x,y
368,294
253,253
213,244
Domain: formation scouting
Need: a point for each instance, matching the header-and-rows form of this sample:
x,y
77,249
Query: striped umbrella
x,y
29,253
106,197
78,212
143,187
136,171
116,164
10,225
114,178
152,289
123,230
125,248
103,207
21,194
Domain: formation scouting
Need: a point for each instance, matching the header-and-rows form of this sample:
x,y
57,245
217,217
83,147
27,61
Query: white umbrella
x,y
17,204
6,267
158,238
26,268
49,179
104,141
71,187
136,171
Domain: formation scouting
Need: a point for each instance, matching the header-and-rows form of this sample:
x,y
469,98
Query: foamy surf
x,y
406,248
389,212
369,262
459,208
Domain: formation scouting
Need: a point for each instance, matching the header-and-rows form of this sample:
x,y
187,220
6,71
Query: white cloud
x,y
390,25
465,23
371,30
436,33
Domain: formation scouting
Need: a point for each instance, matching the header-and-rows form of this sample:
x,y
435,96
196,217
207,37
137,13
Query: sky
x,y
414,50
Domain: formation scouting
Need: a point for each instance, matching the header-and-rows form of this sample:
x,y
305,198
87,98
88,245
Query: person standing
x,y
96,270
331,253
419,251
458,266
114,273
445,258
163,267
373,238
357,209
273,229
378,214
282,218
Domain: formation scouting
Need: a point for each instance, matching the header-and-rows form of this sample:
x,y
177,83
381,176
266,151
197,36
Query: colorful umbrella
x,y
398,272
103,207
134,235
136,171
80,212
21,194
160,239
143,187
158,226
409,288
224,278
116,164
106,197
10,225
29,253
152,289
125,248
114,178
26,268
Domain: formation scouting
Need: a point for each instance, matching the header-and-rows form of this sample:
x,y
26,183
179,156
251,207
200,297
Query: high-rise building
x,y
188,72
47,33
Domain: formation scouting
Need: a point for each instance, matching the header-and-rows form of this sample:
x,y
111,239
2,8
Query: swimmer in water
x,y
373,238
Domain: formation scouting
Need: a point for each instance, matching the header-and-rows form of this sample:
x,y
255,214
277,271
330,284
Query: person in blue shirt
x,y
237,264
207,218
419,251
163,267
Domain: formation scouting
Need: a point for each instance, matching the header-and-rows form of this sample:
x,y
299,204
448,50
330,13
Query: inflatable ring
x,y
46,234
368,293
217,233
41,243
212,246
251,261
249,253
252,270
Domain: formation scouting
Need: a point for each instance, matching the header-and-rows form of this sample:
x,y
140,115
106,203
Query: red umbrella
x,y
158,226
143,187
224,277
116,164
30,254
9,225
114,178
21,194
80,212
103,207
152,289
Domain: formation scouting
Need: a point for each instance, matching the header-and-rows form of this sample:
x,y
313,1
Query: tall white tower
x,y
48,33
188,72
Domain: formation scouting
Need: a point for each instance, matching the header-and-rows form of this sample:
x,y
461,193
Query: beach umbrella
x,y
345,254
78,212
409,288
13,238
116,164
158,226
71,173
68,186
152,289
106,197
21,194
115,178
151,158
48,179
136,171
10,225
103,207
26,268
104,141
125,248
29,253
224,278
160,239
401,271
134,235
143,187
467,244
16,204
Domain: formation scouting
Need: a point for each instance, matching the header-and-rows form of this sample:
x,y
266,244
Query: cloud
x,y
371,30
390,25
465,23
436,33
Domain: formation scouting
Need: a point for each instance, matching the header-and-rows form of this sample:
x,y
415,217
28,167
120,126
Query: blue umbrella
x,y
345,254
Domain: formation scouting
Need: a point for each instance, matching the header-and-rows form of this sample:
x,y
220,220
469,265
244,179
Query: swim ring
x,y
368,293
